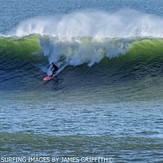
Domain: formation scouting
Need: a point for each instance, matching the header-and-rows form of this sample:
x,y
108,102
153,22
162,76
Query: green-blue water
x,y
107,99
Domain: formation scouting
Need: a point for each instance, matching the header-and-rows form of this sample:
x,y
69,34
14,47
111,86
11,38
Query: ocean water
x,y
106,100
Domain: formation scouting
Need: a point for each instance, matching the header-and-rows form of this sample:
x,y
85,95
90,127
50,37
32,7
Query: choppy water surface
x,y
41,124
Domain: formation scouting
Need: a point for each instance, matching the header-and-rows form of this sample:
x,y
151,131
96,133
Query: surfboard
x,y
48,78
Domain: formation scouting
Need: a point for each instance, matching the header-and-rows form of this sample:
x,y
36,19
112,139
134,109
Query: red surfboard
x,y
48,78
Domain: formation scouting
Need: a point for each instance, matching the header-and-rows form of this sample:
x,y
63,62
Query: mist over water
x,y
87,36
123,23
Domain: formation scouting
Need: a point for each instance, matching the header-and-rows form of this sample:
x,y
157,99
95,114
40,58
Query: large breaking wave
x,y
89,36
126,44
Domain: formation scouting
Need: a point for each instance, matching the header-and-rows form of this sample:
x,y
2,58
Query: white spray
x,y
123,23
89,36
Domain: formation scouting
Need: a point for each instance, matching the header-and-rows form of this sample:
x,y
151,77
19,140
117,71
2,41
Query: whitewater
x,y
106,99
76,38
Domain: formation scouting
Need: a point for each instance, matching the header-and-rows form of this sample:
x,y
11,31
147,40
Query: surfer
x,y
54,68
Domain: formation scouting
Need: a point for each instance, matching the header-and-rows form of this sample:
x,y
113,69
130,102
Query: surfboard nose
x,y
47,78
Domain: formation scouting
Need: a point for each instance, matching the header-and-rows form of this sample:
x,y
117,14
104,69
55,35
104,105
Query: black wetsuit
x,y
54,69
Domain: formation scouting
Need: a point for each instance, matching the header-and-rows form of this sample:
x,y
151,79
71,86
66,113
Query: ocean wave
x,y
76,51
21,143
23,47
123,45
82,37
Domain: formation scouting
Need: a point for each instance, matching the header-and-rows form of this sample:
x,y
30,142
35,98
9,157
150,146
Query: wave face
x,y
118,46
26,60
